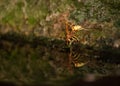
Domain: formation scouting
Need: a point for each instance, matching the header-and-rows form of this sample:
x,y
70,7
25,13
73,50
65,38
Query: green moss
x,y
32,20
8,18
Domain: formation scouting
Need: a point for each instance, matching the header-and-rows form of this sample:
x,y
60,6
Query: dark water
x,y
51,64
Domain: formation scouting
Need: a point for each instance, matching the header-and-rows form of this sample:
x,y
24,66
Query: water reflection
x,y
29,64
